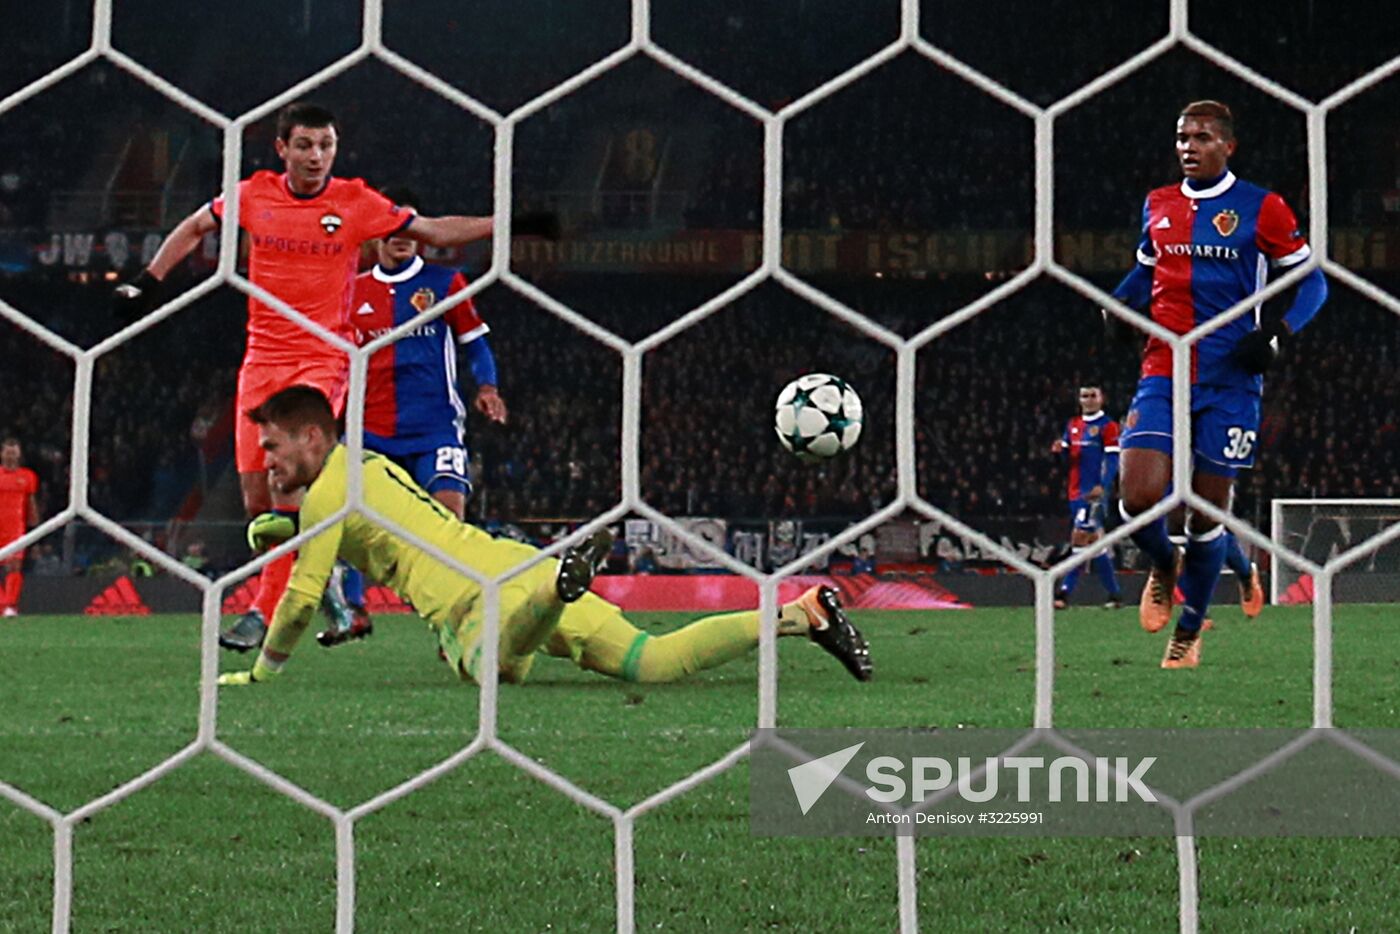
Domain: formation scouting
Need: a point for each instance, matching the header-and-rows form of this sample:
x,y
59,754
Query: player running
x,y
1246,571
1205,247
19,512
1090,444
414,414
548,607
305,228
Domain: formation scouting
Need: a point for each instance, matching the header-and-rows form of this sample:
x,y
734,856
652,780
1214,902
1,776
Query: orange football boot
x,y
1183,650
1252,593
1155,607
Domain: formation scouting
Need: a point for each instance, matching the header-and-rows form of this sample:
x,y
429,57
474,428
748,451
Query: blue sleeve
x,y
482,361
1110,472
1145,252
1312,292
1135,290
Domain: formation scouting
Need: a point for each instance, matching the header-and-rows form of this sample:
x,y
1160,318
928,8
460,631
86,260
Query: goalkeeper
x,y
547,607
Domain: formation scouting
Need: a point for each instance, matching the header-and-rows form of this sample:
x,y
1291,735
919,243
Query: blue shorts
x,y
1086,516
1224,424
443,467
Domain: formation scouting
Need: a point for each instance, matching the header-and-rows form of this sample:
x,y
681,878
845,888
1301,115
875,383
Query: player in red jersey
x,y
305,228
19,512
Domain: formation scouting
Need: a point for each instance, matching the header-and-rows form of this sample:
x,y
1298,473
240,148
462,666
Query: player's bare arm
x,y
457,229
132,300
450,230
182,241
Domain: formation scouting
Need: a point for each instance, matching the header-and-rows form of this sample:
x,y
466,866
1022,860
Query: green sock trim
x,y
633,659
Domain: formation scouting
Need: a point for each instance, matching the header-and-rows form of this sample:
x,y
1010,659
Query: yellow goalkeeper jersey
x,y
438,593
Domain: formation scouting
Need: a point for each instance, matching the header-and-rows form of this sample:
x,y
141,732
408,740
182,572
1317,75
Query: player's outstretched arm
x,y
302,597
294,614
457,229
182,241
451,230
133,300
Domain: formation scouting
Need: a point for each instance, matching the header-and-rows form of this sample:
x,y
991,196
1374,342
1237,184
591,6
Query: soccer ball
x,y
818,416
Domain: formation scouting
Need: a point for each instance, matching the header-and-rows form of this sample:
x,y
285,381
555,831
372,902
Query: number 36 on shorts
x,y
1240,443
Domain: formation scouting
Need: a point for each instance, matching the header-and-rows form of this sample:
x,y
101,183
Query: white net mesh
x,y
774,123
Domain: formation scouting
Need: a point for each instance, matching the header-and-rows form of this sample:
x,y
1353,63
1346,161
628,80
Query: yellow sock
x,y
616,648
705,643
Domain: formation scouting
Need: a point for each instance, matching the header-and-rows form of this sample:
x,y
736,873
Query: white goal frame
x,y
910,39
1276,508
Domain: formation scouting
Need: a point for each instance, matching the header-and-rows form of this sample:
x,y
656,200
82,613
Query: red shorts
x,y
7,535
257,382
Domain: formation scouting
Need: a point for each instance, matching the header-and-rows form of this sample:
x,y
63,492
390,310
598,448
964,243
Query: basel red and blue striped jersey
x,y
411,401
1088,442
1210,249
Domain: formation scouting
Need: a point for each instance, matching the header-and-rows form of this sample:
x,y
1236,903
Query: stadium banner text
x,y
701,252
767,544
1058,783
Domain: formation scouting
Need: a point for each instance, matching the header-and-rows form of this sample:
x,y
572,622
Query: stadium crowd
x,y
991,394
875,156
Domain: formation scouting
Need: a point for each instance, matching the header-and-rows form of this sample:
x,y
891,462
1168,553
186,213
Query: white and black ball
x,y
818,416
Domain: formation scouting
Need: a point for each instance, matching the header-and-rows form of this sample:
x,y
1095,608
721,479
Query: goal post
x,y
1319,529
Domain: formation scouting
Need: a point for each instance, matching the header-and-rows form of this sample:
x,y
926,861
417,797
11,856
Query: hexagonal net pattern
x,y
910,40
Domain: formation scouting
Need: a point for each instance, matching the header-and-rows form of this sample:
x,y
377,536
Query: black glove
x,y
1257,350
536,224
132,301
1121,332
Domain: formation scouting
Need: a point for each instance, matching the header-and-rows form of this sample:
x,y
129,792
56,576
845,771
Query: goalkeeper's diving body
x,y
546,608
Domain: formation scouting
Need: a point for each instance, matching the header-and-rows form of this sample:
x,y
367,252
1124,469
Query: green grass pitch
x,y
86,704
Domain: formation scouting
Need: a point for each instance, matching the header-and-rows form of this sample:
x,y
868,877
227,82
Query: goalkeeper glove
x,y
536,224
132,301
271,529
1257,350
258,674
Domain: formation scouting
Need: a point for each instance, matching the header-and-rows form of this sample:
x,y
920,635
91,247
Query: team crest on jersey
x,y
1225,222
330,223
423,299
1094,431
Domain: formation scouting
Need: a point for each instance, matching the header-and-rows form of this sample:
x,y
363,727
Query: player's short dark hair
x,y
1212,110
295,408
302,113
401,195
9,440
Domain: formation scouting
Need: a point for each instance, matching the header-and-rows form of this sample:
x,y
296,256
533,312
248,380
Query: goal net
x,y
1321,529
